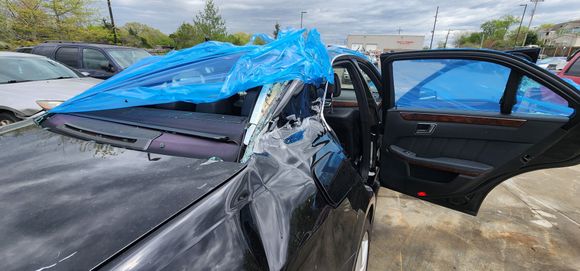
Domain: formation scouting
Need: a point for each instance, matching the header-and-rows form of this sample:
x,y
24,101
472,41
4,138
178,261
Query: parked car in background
x,y
266,158
27,50
553,64
572,69
27,78
96,60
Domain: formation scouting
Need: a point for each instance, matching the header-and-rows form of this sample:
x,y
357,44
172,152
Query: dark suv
x,y
95,60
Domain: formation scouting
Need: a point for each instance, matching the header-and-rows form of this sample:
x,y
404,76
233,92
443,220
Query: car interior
x,y
191,130
343,114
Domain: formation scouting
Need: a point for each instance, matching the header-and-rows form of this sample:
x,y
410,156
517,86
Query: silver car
x,y
26,79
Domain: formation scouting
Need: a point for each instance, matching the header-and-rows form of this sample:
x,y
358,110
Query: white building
x,y
384,43
564,34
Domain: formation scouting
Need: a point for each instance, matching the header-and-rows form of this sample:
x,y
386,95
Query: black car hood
x,y
70,204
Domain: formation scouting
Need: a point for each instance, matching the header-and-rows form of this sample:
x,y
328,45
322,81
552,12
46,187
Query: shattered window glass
x,y
534,98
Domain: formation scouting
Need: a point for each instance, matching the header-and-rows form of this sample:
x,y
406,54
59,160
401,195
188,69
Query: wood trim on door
x,y
476,120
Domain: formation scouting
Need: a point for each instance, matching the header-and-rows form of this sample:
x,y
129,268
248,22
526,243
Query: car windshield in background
x,y
127,57
23,69
551,60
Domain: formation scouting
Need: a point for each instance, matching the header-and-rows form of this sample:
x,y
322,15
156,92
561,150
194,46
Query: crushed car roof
x,y
212,71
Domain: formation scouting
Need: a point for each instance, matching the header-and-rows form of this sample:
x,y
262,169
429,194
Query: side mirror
x,y
107,66
86,73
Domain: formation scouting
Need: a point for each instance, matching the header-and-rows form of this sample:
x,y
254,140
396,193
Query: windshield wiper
x,y
60,77
15,81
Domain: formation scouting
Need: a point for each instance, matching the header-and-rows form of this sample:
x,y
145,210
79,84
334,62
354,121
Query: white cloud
x,y
336,19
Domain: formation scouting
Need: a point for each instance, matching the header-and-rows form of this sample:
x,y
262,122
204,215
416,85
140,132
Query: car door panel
x,y
460,150
453,152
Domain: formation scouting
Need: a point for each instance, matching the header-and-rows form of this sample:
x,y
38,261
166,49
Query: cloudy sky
x,y
336,19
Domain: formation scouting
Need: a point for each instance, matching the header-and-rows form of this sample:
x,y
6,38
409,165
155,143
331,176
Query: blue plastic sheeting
x,y
534,98
209,72
571,82
454,84
468,85
334,51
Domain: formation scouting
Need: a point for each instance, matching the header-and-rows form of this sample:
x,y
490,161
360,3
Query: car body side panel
x,y
271,216
563,72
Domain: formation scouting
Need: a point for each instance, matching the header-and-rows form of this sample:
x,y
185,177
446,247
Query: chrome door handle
x,y
425,128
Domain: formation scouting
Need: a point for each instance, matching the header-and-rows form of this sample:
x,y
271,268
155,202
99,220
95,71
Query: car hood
x,y
70,204
23,96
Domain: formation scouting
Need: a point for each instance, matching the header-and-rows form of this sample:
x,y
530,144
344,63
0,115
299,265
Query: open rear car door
x,y
459,122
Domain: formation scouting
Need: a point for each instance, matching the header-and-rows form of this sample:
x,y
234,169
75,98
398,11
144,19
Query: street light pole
x,y
302,17
521,21
531,18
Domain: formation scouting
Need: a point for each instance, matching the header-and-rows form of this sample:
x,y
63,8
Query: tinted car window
x,y
127,57
44,50
372,85
454,84
574,70
68,56
94,60
534,98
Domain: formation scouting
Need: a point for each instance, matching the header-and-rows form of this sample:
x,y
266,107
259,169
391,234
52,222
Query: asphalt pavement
x,y
530,222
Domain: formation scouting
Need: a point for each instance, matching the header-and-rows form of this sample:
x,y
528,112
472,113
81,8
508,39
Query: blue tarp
x,y
209,72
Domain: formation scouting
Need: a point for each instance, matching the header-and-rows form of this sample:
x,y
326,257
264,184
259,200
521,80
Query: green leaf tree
x,y
209,22
186,36
68,18
141,35
28,20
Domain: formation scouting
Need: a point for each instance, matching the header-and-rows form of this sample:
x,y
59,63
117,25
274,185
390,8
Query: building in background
x,y
563,37
384,43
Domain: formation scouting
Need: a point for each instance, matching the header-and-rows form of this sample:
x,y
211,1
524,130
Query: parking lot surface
x,y
530,222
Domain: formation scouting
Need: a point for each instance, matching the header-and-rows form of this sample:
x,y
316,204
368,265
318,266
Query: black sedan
x,y
281,176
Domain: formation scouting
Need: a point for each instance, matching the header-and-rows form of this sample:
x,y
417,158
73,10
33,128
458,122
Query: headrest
x,y
337,87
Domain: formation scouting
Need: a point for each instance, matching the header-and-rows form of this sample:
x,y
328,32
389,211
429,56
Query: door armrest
x,y
459,166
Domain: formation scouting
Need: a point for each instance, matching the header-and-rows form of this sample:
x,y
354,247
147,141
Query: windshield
x,y
551,60
23,69
127,57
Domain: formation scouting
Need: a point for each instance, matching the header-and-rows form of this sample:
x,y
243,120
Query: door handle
x,y
425,128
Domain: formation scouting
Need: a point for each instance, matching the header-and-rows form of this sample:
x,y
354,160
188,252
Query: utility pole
x,y
433,31
446,38
531,18
302,17
112,22
521,21
482,39
399,30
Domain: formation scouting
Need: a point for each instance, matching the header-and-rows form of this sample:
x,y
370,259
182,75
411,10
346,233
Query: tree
x,y
96,34
239,38
186,36
276,30
466,39
497,28
6,33
28,19
68,17
209,23
141,35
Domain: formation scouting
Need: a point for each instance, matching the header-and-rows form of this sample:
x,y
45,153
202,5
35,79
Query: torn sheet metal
x,y
209,72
